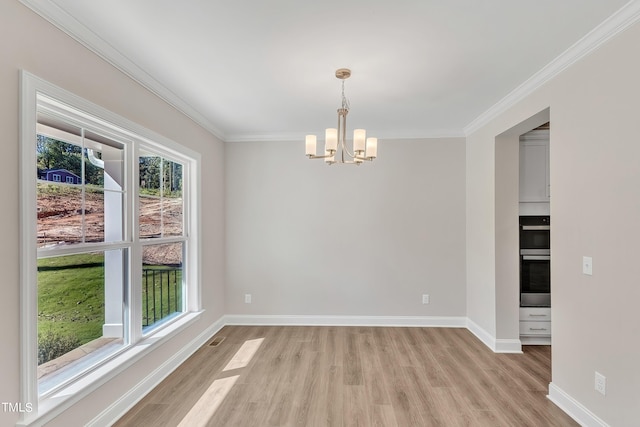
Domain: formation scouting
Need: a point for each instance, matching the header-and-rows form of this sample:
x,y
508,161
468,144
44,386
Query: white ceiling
x,y
264,70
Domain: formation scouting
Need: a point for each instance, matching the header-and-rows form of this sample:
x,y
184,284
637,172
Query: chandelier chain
x,y
345,101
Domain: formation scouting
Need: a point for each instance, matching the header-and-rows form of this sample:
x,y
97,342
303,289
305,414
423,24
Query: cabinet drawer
x,y
535,328
535,314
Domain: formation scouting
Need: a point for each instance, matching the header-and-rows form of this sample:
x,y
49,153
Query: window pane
x,y
57,160
104,169
104,165
94,215
113,216
149,171
161,203
162,284
66,214
93,168
80,312
172,198
172,216
150,217
172,178
59,214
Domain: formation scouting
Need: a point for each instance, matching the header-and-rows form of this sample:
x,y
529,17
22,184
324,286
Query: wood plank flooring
x,y
354,376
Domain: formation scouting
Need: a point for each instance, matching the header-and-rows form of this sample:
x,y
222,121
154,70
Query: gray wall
x,y
595,209
306,238
36,46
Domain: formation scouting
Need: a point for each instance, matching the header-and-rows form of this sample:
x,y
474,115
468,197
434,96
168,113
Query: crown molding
x,y
298,137
628,15
267,137
612,26
79,32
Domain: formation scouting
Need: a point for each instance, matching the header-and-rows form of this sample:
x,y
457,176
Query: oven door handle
x,y
536,227
536,257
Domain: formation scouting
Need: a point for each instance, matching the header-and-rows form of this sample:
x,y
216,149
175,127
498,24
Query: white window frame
x,y
151,241
47,407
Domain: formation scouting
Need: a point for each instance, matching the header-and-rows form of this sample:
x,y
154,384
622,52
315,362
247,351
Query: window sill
x,y
57,402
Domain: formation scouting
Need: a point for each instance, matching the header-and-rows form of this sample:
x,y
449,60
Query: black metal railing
x,y
162,294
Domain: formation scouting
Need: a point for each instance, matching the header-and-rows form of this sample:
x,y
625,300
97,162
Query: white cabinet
x,y
535,325
534,173
534,166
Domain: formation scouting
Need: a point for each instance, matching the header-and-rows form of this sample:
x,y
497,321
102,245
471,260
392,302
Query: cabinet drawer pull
x,y
537,329
538,315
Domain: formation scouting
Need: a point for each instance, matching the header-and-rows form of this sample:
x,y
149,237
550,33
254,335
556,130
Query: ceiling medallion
x,y
335,139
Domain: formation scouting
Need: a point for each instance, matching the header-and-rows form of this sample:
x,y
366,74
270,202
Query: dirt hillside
x,y
60,222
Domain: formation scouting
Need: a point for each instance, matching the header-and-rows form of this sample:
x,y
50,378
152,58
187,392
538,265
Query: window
x,y
161,213
81,258
114,230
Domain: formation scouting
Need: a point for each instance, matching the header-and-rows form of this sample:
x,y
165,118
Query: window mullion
x,y
134,294
83,189
162,197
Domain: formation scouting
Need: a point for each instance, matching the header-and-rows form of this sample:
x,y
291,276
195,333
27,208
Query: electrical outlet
x,y
601,383
425,298
247,298
587,265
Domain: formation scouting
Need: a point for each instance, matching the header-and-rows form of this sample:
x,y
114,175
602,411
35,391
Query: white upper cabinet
x,y
534,167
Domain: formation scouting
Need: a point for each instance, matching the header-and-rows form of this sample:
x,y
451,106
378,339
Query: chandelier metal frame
x,y
364,149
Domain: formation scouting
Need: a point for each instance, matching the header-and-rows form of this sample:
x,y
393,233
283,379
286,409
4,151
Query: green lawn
x,y
71,296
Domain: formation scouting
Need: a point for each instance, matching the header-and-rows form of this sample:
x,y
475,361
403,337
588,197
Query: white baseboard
x,y
508,346
535,340
303,320
495,344
573,408
133,396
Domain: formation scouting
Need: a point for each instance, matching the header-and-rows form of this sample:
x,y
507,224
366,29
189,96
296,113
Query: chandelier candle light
x,y
363,148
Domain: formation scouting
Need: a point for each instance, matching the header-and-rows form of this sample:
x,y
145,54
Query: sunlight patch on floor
x,y
206,406
244,354
204,409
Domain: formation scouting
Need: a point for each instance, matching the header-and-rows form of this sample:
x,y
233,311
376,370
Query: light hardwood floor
x,y
354,376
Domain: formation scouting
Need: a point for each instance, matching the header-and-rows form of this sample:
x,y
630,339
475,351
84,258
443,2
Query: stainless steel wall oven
x,y
535,261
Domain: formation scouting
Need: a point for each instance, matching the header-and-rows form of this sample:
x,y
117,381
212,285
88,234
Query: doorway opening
x,y
507,230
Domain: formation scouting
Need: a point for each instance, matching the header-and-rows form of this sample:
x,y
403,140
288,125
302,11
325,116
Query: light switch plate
x,y
587,265
601,383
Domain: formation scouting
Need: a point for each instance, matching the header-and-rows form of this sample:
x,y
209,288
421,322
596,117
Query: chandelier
x,y
335,139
